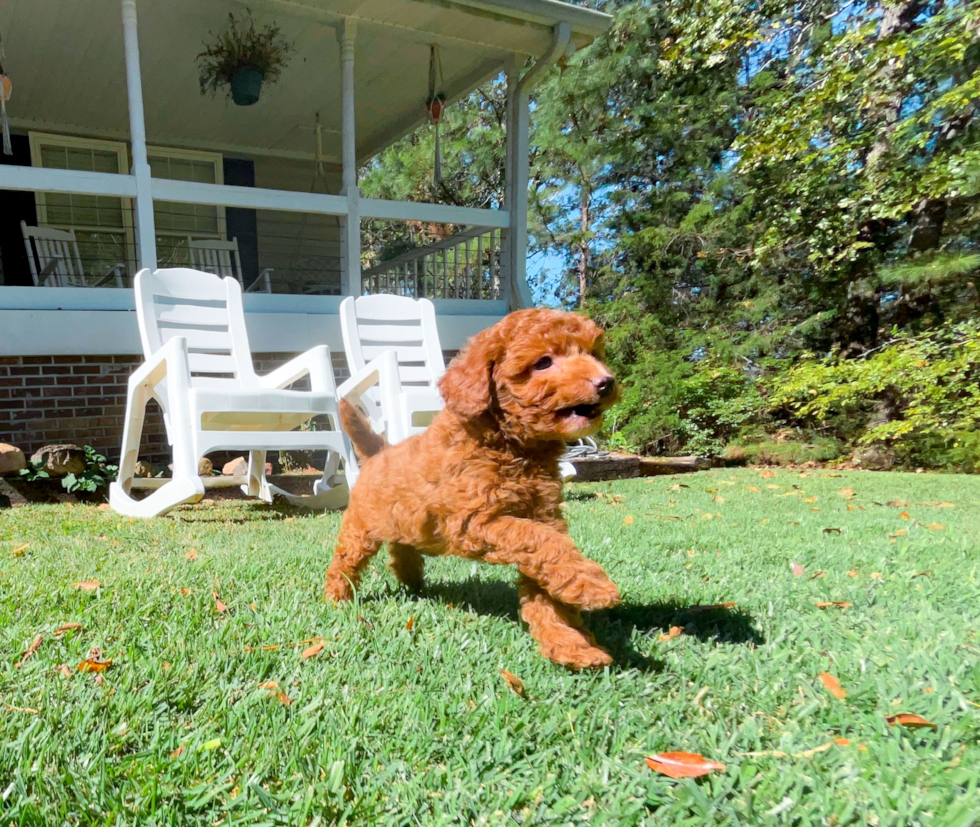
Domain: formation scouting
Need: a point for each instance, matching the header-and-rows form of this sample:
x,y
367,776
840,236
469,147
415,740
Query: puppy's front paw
x,y
588,587
338,590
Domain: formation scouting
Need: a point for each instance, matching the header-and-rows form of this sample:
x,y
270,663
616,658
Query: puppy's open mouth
x,y
584,411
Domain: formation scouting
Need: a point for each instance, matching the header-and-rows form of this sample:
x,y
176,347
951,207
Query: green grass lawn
x,y
397,725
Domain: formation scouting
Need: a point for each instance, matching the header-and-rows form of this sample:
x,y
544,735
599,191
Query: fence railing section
x,y
465,265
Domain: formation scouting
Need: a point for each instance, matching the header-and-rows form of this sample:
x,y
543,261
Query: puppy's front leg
x,y
548,557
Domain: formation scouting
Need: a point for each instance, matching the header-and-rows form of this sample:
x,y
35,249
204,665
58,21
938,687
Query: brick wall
x,y
82,399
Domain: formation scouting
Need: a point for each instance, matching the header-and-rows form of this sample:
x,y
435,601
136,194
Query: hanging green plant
x,y
243,58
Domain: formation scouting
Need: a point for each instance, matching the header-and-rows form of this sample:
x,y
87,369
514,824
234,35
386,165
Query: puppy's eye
x,y
543,363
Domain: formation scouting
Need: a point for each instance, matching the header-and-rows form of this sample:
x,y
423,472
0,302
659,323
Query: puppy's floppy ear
x,y
466,386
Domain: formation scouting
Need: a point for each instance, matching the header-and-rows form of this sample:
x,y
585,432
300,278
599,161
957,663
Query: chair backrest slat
x,y
207,311
54,249
220,258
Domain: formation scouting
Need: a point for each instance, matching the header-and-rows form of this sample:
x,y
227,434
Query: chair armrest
x,y
381,371
169,362
113,273
315,363
264,280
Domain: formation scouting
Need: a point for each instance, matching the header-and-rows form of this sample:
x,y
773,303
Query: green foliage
x,y
241,44
96,475
919,396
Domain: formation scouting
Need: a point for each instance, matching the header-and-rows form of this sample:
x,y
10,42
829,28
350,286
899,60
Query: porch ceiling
x,y
66,60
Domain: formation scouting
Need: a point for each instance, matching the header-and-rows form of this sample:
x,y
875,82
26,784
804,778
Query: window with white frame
x,y
175,223
103,224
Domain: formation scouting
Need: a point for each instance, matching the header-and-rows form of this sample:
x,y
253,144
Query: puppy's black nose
x,y
605,385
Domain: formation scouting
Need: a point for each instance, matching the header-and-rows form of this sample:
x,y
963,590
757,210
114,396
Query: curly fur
x,y
482,482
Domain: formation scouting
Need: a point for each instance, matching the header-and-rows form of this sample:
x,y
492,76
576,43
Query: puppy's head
x,y
538,373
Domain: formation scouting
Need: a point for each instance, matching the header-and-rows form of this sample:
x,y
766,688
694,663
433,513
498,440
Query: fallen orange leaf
x,y
282,697
908,719
852,573
922,573
820,575
682,764
35,645
842,742
753,488
87,585
221,607
177,752
905,515
191,555
64,669
833,685
768,474
837,604
268,685
936,527
674,631
19,551
411,623
514,682
67,627
312,650
94,665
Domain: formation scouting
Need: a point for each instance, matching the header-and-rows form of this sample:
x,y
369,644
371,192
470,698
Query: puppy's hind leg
x,y
407,564
558,629
355,548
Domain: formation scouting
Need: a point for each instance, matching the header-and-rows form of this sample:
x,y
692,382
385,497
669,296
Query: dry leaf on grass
x,y
19,551
831,531
852,573
837,604
64,670
683,764
710,607
905,515
628,520
922,573
28,709
846,493
87,585
768,474
514,682
833,685
674,631
411,623
67,627
797,569
218,605
842,742
936,527
35,645
282,697
177,752
94,665
820,575
312,651
268,685
753,488
910,720
191,555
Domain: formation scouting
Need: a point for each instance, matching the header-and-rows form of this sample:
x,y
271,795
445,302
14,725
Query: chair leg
x,y
257,484
182,488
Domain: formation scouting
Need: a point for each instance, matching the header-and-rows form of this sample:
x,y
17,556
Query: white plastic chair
x,y
221,258
55,262
395,361
199,369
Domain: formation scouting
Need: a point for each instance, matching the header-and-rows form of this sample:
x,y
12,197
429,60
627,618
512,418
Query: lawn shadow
x,y
613,628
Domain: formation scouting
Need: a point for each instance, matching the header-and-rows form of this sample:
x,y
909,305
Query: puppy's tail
x,y
366,442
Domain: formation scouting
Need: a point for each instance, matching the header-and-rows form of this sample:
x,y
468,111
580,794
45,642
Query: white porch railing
x,y
466,265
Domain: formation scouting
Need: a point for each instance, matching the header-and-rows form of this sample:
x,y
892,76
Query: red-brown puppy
x,y
483,483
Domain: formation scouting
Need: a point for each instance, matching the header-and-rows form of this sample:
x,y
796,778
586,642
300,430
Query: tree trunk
x,y
583,248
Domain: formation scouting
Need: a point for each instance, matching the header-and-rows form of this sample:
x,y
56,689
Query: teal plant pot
x,y
246,85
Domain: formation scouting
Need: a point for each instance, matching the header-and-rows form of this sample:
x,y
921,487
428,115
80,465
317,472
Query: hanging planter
x,y
243,58
435,105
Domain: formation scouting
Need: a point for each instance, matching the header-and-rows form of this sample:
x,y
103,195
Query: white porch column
x,y
350,276
519,164
146,242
